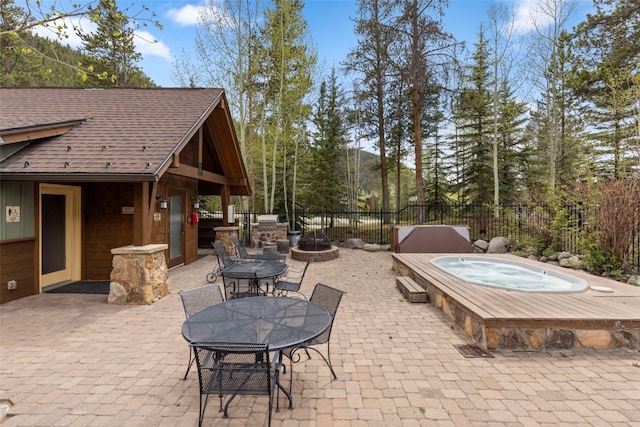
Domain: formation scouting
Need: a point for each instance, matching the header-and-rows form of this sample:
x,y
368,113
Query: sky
x,y
330,26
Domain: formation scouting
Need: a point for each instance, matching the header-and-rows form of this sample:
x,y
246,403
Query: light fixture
x,y
196,203
163,202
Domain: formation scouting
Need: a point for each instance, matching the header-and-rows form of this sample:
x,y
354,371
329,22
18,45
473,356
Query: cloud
x,y
147,44
63,30
529,16
144,41
187,15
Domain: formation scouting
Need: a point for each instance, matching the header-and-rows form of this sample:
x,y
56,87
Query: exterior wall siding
x,y
18,262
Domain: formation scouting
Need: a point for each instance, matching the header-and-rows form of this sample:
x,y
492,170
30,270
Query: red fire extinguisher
x,y
194,217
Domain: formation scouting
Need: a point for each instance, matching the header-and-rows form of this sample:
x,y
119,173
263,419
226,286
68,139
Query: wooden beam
x,y
225,197
200,143
175,161
192,172
141,216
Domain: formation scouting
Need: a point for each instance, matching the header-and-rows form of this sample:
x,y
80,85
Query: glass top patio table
x,y
280,322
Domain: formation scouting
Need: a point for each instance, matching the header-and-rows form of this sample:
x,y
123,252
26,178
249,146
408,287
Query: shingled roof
x,y
111,134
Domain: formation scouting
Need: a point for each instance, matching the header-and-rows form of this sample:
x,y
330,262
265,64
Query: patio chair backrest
x,y
329,298
242,251
194,300
234,369
222,253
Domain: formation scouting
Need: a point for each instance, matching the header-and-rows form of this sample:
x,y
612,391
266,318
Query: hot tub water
x,y
509,275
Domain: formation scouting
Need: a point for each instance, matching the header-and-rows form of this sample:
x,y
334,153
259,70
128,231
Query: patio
x,y
73,360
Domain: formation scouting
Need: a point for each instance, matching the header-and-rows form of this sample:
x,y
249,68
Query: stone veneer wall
x,y
258,237
224,235
551,337
139,275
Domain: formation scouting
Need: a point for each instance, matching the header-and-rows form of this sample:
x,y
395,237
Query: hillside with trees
x,y
107,58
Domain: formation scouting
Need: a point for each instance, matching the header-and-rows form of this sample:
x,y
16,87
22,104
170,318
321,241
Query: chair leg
x,y
191,360
203,406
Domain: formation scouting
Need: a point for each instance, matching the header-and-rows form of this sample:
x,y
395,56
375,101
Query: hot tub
x,y
509,275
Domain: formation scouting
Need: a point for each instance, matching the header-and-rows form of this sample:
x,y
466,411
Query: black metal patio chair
x,y
329,298
246,256
226,369
194,300
224,260
291,282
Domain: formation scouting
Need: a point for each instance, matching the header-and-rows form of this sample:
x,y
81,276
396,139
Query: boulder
x,y
483,245
571,262
564,254
498,245
373,247
353,243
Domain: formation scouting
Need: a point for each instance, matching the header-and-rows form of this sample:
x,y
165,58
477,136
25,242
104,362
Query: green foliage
x,y
111,48
326,175
30,60
599,260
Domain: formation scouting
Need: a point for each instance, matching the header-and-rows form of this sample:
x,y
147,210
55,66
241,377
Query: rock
x,y
571,262
563,255
633,281
544,259
353,243
498,245
553,257
483,245
594,339
117,294
561,339
372,247
553,263
532,258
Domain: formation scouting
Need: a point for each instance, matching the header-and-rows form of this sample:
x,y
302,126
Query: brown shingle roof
x,y
127,134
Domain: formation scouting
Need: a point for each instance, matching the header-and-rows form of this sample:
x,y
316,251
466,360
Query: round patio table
x,y
254,272
280,322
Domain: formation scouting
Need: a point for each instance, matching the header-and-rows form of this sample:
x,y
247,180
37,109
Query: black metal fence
x,y
520,223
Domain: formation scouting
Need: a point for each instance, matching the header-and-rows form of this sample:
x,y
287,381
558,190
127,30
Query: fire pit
x,y
314,245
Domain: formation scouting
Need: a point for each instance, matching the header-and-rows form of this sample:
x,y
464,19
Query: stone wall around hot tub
x,y
549,335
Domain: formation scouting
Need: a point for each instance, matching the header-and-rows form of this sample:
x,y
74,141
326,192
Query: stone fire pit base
x,y
318,256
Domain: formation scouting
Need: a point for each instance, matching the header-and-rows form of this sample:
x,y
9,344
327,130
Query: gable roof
x,y
110,134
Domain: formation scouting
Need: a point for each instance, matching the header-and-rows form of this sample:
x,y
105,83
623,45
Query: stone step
x,y
411,290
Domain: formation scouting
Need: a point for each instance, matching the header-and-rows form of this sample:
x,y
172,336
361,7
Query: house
x,y
87,174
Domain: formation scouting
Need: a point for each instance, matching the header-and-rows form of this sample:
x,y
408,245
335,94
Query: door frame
x,y
73,241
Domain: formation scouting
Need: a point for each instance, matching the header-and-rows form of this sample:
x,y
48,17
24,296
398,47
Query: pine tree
x,y
112,48
473,113
607,52
326,177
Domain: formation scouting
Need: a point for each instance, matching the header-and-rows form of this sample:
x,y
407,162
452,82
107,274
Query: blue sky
x,y
330,27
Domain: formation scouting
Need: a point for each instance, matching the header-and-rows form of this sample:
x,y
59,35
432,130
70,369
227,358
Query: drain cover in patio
x,y
470,350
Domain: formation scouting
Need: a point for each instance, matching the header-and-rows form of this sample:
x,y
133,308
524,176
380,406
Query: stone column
x,y
139,275
224,234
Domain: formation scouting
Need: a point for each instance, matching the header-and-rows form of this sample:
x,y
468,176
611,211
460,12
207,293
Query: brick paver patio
x,y
73,360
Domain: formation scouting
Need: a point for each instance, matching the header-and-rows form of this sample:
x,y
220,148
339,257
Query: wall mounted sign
x,y
13,214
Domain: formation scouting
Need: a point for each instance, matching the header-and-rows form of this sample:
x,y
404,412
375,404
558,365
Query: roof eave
x,y
78,177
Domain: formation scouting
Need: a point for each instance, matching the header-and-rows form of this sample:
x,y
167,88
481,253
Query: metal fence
x,y
520,223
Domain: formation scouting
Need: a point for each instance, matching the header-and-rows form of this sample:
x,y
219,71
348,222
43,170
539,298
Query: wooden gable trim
x,y
169,162
193,172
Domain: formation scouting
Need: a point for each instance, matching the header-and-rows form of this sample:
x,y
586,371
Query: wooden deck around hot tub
x,y
497,318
